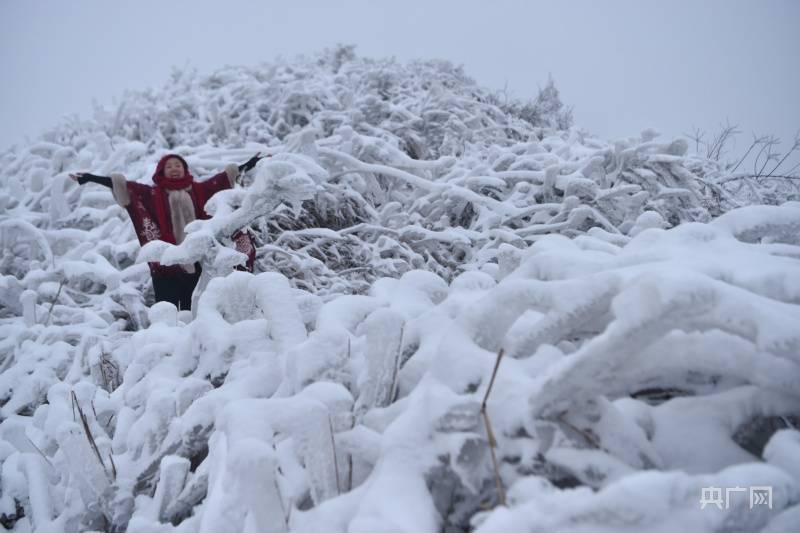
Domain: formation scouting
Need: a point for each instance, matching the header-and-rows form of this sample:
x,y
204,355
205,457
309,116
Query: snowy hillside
x,y
467,314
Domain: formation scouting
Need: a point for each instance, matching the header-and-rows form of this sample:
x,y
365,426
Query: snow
x,y
782,451
410,228
644,501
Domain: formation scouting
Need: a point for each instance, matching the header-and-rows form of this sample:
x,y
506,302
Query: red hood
x,y
163,161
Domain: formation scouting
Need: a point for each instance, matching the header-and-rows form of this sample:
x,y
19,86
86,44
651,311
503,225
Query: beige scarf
x,y
181,211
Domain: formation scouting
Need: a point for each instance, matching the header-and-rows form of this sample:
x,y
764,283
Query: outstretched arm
x,y
83,177
250,163
117,183
227,178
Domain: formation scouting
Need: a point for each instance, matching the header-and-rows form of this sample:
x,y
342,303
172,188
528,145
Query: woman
x,y
162,211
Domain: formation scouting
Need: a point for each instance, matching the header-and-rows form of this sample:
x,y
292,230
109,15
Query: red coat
x,y
148,208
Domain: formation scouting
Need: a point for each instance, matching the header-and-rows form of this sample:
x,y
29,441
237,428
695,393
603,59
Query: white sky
x,y
623,65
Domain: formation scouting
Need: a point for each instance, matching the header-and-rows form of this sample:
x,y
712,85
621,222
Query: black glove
x,y
250,163
83,177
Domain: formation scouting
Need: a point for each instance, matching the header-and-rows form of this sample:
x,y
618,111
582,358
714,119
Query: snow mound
x,y
628,373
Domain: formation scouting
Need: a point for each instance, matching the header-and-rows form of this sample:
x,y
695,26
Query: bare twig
x,y
396,369
768,142
791,170
53,303
88,432
781,177
750,149
697,137
590,437
501,494
751,176
794,147
280,499
491,380
770,157
73,400
335,460
714,149
758,155
40,452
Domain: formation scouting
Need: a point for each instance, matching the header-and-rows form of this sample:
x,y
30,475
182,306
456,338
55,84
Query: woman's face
x,y
173,169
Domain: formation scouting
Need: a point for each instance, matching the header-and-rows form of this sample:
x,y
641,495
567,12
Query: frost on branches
x,y
409,226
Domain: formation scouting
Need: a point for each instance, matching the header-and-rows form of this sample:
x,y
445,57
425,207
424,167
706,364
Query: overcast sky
x,y
623,65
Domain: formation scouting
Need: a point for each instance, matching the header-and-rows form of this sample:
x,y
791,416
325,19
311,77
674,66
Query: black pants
x,y
176,289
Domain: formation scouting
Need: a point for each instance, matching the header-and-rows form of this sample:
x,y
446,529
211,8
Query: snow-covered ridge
x,y
410,228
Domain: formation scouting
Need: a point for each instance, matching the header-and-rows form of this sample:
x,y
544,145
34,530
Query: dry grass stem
x,y
53,303
501,493
335,460
88,432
